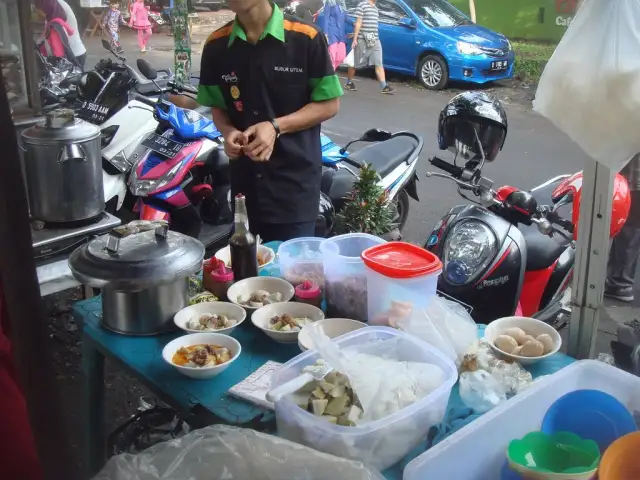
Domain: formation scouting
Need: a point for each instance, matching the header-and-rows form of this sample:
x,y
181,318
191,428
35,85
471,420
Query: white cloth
x,y
75,41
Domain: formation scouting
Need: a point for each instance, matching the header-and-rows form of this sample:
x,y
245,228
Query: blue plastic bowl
x,y
590,414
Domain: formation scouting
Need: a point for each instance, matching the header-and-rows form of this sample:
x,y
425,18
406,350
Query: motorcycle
x,y
512,252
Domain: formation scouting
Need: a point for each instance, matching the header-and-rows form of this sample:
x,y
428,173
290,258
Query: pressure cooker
x,y
143,269
63,166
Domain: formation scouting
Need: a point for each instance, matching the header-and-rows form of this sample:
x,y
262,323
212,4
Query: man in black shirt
x,y
270,83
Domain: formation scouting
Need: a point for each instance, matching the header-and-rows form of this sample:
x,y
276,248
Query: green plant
x,y
531,58
366,209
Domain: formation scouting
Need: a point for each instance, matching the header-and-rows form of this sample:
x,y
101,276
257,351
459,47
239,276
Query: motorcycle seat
x,y
542,250
386,156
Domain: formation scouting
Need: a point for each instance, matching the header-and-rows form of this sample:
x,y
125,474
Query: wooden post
x,y
472,10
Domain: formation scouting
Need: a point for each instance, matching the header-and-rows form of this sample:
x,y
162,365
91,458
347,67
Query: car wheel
x,y
433,72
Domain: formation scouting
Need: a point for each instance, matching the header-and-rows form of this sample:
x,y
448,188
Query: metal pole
x,y
591,258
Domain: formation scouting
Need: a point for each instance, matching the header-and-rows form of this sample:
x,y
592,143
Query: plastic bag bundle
x,y
590,89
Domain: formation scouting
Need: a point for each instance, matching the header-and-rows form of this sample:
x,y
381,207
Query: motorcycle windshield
x,y
189,124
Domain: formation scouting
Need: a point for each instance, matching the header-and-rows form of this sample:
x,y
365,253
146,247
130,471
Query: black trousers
x,y
625,250
282,232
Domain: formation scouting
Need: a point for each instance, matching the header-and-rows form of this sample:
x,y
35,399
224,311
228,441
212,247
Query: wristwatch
x,y
276,127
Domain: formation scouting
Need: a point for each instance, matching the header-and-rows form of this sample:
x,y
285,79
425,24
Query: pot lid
x,y
401,260
60,125
136,256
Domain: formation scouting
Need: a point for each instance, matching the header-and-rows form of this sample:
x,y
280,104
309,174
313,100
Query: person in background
x,y
140,22
625,248
366,46
111,23
332,24
55,38
75,40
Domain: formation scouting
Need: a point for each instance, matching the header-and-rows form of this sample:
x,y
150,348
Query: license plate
x,y
93,112
499,65
162,145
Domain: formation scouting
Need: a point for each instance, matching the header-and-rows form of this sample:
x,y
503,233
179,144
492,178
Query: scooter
x,y
512,252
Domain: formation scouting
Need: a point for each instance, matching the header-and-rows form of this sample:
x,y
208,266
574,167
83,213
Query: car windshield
x,y
439,13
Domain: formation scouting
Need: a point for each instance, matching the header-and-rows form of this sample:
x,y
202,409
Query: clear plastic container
x,y
478,450
380,443
345,275
300,259
399,272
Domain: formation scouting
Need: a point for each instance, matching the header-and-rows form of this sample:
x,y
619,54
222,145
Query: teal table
x,y
142,357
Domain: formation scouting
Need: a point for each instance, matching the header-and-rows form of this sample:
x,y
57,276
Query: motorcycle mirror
x,y
375,135
106,45
146,69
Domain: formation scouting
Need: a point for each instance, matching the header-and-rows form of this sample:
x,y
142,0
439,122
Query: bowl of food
x,y
210,317
265,256
283,321
201,355
332,327
523,339
256,292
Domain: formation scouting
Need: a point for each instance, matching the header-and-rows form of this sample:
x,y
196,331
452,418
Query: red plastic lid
x,y
308,290
401,260
218,271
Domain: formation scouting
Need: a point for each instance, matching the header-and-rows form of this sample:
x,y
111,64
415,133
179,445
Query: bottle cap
x,y
219,272
307,290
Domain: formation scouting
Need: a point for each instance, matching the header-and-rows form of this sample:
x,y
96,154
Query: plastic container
x,y
217,278
345,274
309,292
381,443
300,259
399,272
483,443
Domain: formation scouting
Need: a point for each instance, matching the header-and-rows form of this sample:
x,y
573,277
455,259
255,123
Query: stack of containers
x,y
345,276
380,443
399,273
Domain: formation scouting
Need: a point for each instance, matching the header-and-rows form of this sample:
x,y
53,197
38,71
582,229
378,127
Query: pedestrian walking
x,y
332,24
625,248
140,22
367,50
111,23
269,80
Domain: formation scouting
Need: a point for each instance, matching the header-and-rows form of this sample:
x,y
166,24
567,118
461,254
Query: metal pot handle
x,y
113,240
72,152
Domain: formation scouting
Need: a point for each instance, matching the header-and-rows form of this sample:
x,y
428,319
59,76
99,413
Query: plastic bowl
x,y
561,456
332,327
531,326
244,288
202,338
590,414
266,253
263,316
231,310
621,460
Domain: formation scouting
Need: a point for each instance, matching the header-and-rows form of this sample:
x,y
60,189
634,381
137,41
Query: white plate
x,y
332,327
261,318
230,310
197,339
244,288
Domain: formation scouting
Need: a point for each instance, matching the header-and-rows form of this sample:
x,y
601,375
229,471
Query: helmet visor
x,y
472,138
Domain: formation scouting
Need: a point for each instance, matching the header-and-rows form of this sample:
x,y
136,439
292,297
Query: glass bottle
x,y
243,246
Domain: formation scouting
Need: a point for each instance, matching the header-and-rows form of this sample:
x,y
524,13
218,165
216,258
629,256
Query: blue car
x,y
436,42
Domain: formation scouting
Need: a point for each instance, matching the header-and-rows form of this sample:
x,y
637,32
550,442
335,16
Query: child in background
x,y
111,23
140,22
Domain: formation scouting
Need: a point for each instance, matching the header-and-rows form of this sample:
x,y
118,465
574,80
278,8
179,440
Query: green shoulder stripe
x,y
325,88
211,96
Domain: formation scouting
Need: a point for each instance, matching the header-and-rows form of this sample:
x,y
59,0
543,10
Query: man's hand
x,y
259,141
233,142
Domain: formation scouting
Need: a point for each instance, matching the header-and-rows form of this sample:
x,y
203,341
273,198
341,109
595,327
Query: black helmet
x,y
468,117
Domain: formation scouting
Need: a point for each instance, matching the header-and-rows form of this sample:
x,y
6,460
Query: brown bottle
x,y
244,258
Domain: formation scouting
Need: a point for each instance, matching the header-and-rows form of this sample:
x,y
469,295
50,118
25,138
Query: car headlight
x,y
468,49
468,250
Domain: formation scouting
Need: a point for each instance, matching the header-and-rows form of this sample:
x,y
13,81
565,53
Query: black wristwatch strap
x,y
276,127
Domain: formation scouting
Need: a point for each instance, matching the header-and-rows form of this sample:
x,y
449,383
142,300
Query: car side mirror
x,y
146,69
375,135
407,23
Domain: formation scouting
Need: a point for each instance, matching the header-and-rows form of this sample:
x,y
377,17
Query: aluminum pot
x,y
143,270
63,165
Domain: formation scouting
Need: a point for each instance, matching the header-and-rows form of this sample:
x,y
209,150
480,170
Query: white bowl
x,y
202,338
262,316
531,326
230,310
266,253
332,327
244,288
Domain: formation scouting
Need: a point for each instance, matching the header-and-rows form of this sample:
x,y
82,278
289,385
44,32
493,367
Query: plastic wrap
x,y
480,391
228,453
590,88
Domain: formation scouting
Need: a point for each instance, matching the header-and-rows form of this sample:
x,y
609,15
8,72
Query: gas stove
x,y
55,241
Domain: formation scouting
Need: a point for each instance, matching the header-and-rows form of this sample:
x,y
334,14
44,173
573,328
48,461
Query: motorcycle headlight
x,y
468,250
142,187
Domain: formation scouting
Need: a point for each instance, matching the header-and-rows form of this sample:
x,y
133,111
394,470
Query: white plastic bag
x,y
444,324
227,453
480,391
590,89
349,60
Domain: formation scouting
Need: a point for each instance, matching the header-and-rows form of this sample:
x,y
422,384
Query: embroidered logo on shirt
x,y
230,77
239,106
235,92
289,69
